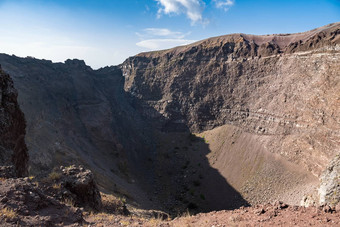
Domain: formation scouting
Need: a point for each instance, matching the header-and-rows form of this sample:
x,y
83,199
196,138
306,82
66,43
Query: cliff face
x,y
13,149
76,115
268,106
284,88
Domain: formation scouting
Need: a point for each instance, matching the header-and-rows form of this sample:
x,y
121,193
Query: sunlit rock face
x,y
282,87
267,105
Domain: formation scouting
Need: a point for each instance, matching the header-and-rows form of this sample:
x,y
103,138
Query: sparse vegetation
x,y
69,202
102,216
54,176
8,213
113,204
56,186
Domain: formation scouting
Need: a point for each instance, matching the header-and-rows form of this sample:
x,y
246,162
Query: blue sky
x,y
106,32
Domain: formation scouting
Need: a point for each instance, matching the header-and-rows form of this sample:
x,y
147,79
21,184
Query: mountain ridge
x,y
257,39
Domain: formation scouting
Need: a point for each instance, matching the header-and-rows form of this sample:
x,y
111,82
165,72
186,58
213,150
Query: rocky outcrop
x,y
13,150
22,203
81,186
329,190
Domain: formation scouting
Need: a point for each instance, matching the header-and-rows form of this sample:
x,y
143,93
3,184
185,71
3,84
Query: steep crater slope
x,y
276,98
22,202
76,115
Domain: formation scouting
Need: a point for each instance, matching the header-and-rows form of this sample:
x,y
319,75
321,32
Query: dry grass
x,y
154,222
113,204
124,223
8,213
56,186
54,176
69,202
102,216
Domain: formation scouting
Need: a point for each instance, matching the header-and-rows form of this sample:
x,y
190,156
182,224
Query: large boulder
x,y
75,184
329,190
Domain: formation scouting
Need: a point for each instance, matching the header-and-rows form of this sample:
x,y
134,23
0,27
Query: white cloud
x,y
161,32
162,38
158,44
192,8
224,4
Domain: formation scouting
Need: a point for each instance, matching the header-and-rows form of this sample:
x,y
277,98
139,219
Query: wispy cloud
x,y
162,38
224,4
191,8
161,32
158,44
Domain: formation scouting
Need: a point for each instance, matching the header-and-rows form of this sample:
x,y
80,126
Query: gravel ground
x,y
277,214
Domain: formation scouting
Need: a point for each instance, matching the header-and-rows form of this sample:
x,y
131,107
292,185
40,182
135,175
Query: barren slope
x,y
264,110
76,115
278,97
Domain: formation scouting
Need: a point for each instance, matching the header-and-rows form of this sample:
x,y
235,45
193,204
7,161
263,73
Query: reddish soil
x,y
278,214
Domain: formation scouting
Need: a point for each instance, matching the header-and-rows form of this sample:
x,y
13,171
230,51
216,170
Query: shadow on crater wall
x,y
183,177
77,115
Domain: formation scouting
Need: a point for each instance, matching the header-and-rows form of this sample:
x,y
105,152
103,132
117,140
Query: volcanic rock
x,y
13,150
75,185
22,203
329,189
